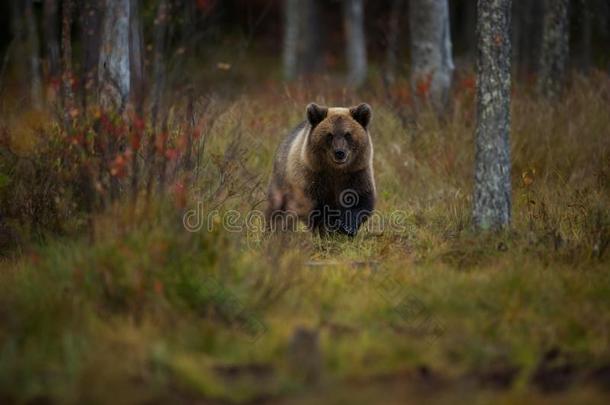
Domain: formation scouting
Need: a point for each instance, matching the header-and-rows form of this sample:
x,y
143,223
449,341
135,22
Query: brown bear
x,y
323,172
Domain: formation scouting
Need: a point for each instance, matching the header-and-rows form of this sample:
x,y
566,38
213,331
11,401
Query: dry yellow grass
x,y
142,310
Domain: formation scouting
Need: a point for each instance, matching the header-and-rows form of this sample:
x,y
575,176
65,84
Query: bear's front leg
x,y
353,217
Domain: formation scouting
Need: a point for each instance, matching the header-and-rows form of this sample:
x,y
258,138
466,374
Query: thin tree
x,y
431,52
555,49
136,57
16,52
469,29
66,50
120,71
353,16
159,70
393,40
189,41
527,17
291,39
91,12
586,35
114,70
34,56
301,53
51,35
492,188
159,78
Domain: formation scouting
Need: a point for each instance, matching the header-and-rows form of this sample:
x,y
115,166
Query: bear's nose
x,y
340,155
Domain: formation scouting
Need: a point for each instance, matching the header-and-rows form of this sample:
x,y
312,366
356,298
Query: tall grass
x,y
104,294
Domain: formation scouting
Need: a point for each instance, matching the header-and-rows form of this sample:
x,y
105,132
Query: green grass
x,y
142,310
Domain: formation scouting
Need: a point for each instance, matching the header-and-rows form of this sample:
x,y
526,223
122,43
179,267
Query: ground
x,y
145,306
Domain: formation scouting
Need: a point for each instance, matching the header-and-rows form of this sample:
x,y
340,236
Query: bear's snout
x,y
340,155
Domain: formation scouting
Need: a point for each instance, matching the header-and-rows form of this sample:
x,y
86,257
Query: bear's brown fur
x,y
323,172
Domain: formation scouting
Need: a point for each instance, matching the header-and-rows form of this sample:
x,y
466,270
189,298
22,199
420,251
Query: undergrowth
x,y
108,293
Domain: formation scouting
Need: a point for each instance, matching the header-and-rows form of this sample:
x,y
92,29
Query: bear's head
x,y
339,137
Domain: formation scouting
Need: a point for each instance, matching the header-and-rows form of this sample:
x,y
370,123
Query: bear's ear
x,y
316,113
362,114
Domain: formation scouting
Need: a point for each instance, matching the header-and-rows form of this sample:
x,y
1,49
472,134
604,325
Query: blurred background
x,y
234,43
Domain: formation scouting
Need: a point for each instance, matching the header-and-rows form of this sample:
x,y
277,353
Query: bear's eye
x,y
348,136
329,137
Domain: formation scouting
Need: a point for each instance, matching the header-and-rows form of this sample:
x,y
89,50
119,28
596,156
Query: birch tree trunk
x,y
353,16
114,73
431,54
555,49
492,188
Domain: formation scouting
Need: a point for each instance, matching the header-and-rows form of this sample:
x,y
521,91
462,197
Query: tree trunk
x,y
311,32
492,188
470,35
353,16
586,36
66,48
518,29
531,41
555,49
291,39
17,50
604,25
51,23
34,56
136,57
159,78
159,74
301,53
91,22
114,69
431,55
393,40
527,34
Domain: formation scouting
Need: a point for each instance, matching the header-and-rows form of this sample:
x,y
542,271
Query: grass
x,y
138,309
